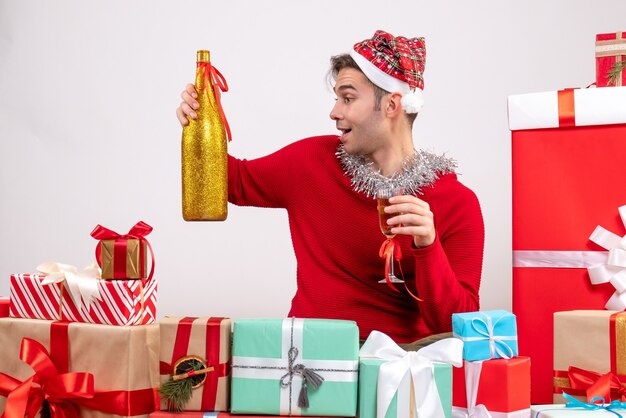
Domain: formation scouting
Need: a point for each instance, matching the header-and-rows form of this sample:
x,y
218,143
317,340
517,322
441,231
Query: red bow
x,y
139,231
213,77
388,250
59,390
607,385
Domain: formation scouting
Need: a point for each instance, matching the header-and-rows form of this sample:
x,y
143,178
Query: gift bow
x,y
472,379
593,404
59,390
596,385
138,231
420,366
81,285
390,251
613,270
308,375
486,330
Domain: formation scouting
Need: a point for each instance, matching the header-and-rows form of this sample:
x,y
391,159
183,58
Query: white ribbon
x,y
488,334
558,259
521,413
472,380
81,285
613,268
275,368
418,364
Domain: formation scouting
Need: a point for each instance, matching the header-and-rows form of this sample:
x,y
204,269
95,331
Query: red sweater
x,y
336,239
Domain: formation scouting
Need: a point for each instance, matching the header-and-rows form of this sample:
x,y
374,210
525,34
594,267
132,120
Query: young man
x,y
327,184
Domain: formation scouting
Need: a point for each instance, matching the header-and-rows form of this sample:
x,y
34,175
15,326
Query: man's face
x,y
362,128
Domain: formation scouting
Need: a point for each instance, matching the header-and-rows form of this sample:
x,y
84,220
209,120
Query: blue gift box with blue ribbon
x,y
486,334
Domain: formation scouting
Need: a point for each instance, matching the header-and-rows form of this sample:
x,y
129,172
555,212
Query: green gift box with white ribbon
x,y
295,367
394,383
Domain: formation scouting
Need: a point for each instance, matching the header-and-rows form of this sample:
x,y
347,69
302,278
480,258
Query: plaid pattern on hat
x,y
400,57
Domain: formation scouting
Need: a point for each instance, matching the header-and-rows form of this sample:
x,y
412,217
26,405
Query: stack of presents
x,y
85,343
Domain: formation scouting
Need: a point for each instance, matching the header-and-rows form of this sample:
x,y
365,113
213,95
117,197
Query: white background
x,y
88,133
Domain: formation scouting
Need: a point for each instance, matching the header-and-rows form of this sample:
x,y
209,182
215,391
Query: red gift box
x,y
503,386
121,302
565,183
610,50
4,307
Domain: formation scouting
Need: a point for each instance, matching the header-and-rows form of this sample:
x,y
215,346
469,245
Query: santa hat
x,y
395,64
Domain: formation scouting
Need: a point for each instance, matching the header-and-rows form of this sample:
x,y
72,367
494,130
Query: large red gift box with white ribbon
x,y
117,302
568,151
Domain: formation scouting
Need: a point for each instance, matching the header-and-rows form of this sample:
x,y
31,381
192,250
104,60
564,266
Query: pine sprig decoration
x,y
616,72
178,390
176,393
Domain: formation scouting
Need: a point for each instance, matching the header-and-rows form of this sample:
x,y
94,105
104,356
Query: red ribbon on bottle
x,y
139,232
212,357
567,108
217,80
65,392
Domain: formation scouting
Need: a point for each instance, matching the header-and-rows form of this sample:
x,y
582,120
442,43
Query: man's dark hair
x,y
339,62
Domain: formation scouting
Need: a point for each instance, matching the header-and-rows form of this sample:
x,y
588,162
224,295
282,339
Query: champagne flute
x,y
383,195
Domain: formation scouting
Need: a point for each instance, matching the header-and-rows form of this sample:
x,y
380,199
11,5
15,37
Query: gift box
x,y
394,383
501,386
281,365
610,51
589,354
486,334
580,410
554,213
563,109
205,342
124,256
4,307
100,370
114,302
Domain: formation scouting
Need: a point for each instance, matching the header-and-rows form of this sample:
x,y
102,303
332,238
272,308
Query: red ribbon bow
x,y
217,80
388,250
59,390
139,231
607,385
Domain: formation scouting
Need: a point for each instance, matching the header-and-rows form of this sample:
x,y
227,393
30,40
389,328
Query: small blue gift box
x,y
486,334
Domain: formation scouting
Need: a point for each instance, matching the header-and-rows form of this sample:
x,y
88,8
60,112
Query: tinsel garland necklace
x,y
418,170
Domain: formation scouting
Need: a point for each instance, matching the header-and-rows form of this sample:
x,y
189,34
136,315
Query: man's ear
x,y
393,104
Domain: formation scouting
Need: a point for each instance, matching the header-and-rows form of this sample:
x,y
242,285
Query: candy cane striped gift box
x,y
117,302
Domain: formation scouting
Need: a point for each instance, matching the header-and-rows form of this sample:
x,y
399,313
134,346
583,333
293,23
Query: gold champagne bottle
x,y
204,154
